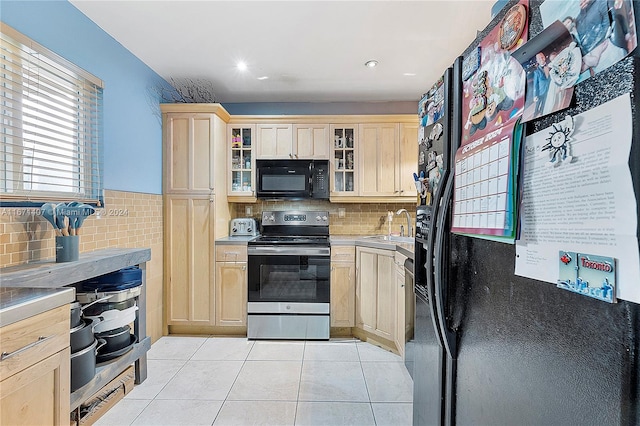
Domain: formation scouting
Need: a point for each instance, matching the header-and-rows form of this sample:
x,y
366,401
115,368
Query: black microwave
x,y
292,179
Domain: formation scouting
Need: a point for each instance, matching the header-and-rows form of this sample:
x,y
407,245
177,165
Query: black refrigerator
x,y
495,348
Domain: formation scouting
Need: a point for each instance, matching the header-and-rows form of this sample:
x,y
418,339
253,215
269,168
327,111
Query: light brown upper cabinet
x,y
378,156
344,160
274,141
388,157
188,153
408,159
310,141
241,165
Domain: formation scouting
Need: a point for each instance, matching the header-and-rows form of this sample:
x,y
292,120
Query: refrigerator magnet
x,y
512,26
470,64
559,142
587,274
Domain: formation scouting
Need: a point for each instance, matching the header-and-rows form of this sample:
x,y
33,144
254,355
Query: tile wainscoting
x,y
129,220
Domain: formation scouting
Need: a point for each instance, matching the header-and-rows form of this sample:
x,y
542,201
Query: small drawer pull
x,y
6,355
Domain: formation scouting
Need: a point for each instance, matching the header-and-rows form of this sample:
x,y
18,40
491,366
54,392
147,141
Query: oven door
x,y
294,276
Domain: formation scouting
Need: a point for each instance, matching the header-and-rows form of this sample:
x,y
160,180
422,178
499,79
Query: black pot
x,y
83,365
76,314
114,339
99,308
103,357
82,335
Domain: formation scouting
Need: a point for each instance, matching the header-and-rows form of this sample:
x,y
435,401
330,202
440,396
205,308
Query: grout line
x,y
244,362
295,414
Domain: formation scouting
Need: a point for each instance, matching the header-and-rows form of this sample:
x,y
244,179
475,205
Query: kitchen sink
x,y
390,238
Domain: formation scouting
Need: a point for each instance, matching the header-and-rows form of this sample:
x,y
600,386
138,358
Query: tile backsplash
x,y
359,219
129,220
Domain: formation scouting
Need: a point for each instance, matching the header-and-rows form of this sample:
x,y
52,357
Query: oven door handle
x,y
288,251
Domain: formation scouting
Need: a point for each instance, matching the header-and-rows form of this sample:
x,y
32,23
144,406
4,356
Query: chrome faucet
x,y
409,228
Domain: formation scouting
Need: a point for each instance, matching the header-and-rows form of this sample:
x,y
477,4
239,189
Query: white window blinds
x,y
51,129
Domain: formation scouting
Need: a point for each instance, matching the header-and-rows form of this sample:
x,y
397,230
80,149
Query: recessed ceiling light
x,y
409,74
370,64
242,66
264,77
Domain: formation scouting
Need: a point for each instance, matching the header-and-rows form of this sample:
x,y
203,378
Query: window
x,y
51,128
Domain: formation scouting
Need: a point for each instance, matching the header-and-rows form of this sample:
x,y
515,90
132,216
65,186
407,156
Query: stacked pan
x,y
112,321
100,321
84,347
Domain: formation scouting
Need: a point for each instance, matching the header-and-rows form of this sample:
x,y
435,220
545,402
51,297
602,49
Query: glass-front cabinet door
x,y
242,167
343,160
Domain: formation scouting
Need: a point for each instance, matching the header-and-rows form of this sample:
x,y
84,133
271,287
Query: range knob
x,y
324,218
318,218
272,218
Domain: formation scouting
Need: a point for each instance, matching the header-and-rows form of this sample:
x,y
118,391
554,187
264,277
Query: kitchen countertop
x,y
239,240
49,274
18,303
340,240
406,249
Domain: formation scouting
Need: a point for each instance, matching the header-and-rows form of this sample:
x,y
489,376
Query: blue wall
x,y
132,122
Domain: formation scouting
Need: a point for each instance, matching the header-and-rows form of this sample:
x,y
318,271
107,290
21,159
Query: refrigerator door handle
x,y
429,266
449,337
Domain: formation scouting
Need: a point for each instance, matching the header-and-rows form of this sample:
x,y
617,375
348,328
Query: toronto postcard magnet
x,y
588,274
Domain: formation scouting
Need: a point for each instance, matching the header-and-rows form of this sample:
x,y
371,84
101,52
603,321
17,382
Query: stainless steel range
x,y
289,270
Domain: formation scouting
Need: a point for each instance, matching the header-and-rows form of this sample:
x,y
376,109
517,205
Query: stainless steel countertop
x,y
18,303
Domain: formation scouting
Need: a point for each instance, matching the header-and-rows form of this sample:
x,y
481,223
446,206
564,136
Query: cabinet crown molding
x,y
195,108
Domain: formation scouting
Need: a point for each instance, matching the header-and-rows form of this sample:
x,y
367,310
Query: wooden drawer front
x,y
345,253
23,344
229,253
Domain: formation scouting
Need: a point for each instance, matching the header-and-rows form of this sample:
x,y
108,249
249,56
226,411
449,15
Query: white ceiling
x,y
312,51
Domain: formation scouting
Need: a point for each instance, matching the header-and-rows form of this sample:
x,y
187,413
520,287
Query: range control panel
x,y
291,218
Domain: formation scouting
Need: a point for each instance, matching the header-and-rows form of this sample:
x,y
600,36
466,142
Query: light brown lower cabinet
x,y
231,285
343,286
189,241
406,305
376,292
35,370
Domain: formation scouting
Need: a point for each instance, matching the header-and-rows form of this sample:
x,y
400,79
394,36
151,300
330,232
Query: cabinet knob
x,y
244,268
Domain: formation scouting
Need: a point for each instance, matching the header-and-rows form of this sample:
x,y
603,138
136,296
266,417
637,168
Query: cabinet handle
x,y
244,268
395,192
6,355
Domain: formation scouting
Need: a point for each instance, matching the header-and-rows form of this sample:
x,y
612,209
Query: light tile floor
x,y
235,381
